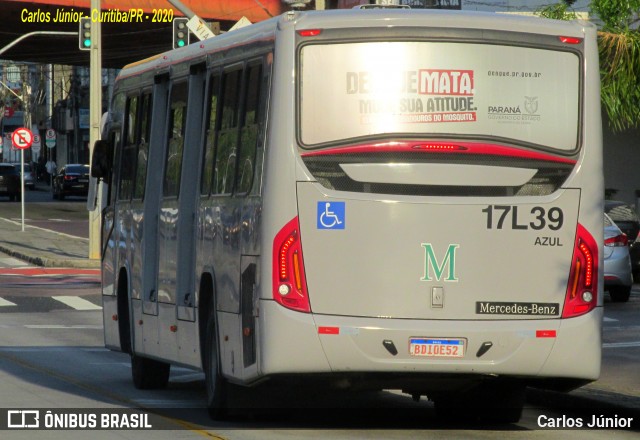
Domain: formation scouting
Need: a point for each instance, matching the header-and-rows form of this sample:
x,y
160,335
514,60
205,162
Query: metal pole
x,y
182,8
31,34
95,114
22,184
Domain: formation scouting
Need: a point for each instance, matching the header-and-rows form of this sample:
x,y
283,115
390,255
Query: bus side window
x,y
143,145
175,134
128,158
114,139
211,131
250,127
224,174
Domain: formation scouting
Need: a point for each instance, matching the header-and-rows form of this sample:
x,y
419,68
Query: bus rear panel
x,y
445,211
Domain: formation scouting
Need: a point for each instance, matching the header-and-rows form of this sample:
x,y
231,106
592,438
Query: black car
x,y
9,181
627,220
71,180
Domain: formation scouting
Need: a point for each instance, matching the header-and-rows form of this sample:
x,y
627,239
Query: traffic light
x,y
180,32
84,33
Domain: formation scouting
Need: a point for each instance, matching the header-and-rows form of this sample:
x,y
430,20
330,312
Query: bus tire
x,y
620,293
149,374
215,384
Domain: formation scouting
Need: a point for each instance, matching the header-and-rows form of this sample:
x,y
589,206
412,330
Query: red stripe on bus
x,y
441,147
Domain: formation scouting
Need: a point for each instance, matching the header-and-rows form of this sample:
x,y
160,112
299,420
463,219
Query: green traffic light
x,y
87,43
180,43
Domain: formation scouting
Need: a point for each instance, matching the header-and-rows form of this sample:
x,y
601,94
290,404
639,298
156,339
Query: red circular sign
x,y
22,138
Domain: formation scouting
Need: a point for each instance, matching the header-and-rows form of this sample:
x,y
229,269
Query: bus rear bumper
x,y
536,349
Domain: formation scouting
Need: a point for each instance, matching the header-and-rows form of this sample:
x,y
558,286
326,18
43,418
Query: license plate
x,y
83,180
436,347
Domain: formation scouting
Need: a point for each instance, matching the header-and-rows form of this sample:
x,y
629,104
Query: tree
x,y
619,47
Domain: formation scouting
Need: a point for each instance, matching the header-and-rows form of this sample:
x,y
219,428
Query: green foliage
x,y
559,11
616,15
619,48
620,71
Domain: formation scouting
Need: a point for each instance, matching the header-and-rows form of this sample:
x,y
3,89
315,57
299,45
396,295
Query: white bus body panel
x,y
291,344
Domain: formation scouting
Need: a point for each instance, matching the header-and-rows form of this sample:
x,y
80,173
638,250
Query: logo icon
x,y
531,104
437,269
331,215
29,418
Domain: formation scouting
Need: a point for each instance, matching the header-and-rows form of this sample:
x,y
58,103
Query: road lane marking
x,y
104,392
605,319
621,344
77,302
5,303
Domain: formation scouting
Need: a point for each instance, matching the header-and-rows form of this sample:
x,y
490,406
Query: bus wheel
x,y
149,374
216,385
620,293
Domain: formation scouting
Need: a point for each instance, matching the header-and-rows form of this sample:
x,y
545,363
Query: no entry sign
x,y
22,138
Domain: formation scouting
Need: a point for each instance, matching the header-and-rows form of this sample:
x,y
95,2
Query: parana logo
x,y
435,268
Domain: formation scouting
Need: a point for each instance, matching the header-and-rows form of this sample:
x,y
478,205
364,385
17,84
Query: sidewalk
x,y
43,247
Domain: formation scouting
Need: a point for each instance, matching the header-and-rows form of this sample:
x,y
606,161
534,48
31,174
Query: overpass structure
x,y
131,29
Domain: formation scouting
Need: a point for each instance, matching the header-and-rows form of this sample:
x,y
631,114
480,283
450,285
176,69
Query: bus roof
x,y
361,18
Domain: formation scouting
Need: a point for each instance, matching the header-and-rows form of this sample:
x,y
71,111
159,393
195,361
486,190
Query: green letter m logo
x,y
431,263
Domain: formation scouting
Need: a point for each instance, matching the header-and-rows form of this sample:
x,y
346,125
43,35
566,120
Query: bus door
x,y
152,196
169,208
189,188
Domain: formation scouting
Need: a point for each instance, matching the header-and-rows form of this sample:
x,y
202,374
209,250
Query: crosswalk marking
x,y
77,303
4,303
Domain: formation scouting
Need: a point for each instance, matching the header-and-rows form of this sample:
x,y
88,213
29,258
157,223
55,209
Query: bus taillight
x,y
289,282
582,289
570,40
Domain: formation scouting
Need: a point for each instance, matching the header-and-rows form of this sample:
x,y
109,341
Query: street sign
x,y
199,28
50,138
37,144
22,138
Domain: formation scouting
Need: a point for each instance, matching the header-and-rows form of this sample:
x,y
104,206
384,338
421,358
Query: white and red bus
x,y
390,198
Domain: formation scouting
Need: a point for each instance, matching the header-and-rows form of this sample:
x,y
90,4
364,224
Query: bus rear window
x,y
368,89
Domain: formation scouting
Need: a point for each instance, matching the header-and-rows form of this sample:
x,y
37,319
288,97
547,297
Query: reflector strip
x,y
329,330
545,333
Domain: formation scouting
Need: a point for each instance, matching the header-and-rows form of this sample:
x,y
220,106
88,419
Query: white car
x,y
617,262
29,180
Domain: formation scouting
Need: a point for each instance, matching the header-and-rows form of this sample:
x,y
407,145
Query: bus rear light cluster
x,y
289,281
582,288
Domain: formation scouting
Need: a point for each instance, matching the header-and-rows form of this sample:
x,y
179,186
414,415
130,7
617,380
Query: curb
x,y
78,263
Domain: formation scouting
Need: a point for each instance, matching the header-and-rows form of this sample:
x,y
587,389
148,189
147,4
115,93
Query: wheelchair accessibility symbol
x,y
331,215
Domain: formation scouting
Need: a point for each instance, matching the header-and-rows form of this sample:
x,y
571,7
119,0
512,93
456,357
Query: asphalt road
x,y
52,357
